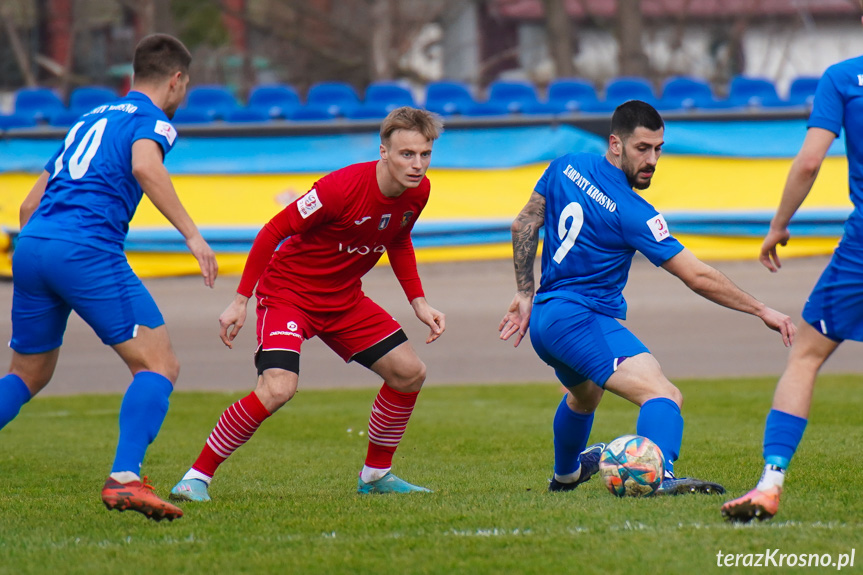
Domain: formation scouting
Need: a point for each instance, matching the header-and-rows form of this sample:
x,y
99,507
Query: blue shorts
x,y
53,277
835,306
579,343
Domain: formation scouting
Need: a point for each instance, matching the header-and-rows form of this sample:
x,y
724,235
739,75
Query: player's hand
x,y
517,318
206,258
769,258
232,319
778,321
430,316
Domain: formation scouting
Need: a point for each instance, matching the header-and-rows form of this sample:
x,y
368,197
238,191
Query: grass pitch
x,y
286,502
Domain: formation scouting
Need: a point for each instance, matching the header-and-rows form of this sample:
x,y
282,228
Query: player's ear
x,y
615,144
383,153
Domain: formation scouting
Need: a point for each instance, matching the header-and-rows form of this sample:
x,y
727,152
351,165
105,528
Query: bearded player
x,y
311,286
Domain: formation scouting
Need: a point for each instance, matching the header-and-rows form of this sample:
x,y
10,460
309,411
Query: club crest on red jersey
x,y
406,217
385,221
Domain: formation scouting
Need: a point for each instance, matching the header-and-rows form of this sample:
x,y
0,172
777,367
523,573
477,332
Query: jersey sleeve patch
x,y
309,203
659,228
165,129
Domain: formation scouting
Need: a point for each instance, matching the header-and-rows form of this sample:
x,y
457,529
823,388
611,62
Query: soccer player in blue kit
x,y
594,222
834,310
69,256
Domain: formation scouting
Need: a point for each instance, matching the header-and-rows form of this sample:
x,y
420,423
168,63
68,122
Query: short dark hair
x,y
159,56
426,123
635,114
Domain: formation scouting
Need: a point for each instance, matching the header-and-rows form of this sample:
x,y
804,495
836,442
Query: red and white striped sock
x,y
236,426
390,414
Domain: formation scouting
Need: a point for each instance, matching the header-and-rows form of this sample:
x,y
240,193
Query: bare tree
x,y
558,30
633,60
382,40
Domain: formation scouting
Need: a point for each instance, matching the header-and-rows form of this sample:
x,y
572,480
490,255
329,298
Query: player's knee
x,y
674,394
276,388
409,377
170,368
586,400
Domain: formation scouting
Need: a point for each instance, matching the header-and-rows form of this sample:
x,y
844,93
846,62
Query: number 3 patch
x,y
659,228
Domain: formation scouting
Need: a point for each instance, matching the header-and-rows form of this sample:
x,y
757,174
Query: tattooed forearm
x,y
525,239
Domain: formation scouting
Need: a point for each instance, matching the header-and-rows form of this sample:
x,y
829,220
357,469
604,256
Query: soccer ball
x,y
632,466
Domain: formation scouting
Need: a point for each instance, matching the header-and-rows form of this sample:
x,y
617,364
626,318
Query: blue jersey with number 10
x,y
594,223
91,194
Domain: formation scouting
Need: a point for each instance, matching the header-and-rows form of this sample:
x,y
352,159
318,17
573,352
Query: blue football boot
x,y
589,460
190,490
389,483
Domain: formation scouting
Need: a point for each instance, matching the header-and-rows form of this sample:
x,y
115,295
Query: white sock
x,y
569,477
773,476
125,476
369,474
195,474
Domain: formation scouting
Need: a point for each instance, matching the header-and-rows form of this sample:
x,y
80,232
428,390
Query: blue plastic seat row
x,y
329,100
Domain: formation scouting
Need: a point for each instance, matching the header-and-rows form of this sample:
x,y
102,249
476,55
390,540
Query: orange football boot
x,y
138,496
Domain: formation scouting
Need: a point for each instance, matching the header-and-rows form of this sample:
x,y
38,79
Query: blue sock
x,y
660,421
571,431
782,435
13,394
141,415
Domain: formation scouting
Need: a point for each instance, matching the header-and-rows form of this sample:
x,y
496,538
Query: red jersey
x,y
336,233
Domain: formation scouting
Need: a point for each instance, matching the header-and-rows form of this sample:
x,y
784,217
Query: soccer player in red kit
x,y
311,286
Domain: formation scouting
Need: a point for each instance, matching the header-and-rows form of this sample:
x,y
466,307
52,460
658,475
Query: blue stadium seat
x,y
686,93
248,115
312,113
64,119
191,116
514,95
626,88
9,121
276,100
84,99
448,98
215,101
40,104
746,92
802,91
569,95
381,99
336,97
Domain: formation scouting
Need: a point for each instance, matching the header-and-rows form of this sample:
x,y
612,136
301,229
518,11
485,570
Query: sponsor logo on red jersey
x,y
362,250
406,217
309,204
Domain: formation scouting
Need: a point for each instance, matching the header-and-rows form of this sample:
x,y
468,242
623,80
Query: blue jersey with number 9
x,y
91,194
594,223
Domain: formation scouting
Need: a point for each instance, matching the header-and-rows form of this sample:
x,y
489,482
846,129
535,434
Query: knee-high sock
x,y
390,414
782,435
13,394
235,427
571,431
660,421
141,415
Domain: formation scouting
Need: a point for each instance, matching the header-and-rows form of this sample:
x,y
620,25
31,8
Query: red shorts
x,y
283,327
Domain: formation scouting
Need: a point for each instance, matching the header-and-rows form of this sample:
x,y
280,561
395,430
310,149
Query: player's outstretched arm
x,y
232,319
801,177
433,318
525,239
712,284
148,169
31,202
